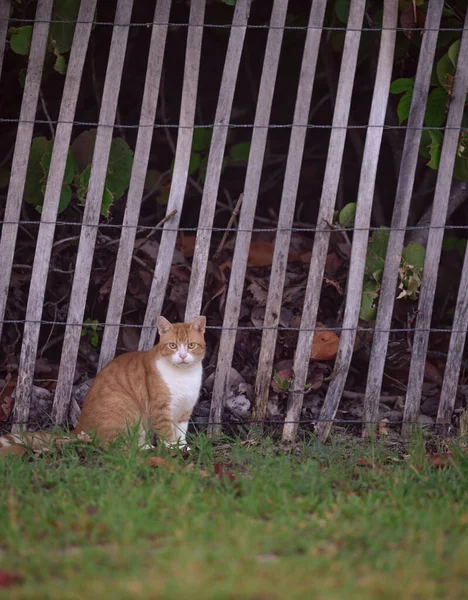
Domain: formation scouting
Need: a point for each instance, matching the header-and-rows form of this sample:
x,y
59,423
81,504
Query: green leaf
x,y
240,152
107,201
347,215
445,70
376,251
229,2
435,148
403,108
460,170
35,174
20,42
342,10
453,243
69,165
60,65
83,184
454,51
413,255
401,85
195,161
370,294
82,148
119,167
436,107
61,34
201,139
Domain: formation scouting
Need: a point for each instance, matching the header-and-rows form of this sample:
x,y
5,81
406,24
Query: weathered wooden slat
x,y
362,221
49,213
246,221
288,203
137,182
215,159
433,251
4,13
179,178
400,216
325,216
22,145
88,235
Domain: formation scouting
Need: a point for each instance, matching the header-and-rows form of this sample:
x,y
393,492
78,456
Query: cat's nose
x,y
183,354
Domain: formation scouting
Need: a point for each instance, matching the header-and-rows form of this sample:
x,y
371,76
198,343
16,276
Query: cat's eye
x,y
191,345
172,345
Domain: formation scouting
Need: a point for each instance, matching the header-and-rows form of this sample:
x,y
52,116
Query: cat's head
x,y
182,344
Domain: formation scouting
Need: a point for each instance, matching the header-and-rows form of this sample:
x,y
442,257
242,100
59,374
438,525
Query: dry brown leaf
x,y
440,461
9,579
158,461
6,406
186,244
193,467
432,373
332,264
222,474
325,344
408,20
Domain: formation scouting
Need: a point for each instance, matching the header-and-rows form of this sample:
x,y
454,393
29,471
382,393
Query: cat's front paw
x,y
148,447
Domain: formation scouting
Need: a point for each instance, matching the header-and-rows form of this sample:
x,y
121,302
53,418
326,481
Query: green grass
x,y
346,520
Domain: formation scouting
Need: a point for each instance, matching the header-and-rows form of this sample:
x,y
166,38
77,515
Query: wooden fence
x,y
201,258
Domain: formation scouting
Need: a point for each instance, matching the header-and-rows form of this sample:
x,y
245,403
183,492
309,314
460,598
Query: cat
x,y
153,390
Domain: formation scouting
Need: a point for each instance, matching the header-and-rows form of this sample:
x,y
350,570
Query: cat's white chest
x,y
184,384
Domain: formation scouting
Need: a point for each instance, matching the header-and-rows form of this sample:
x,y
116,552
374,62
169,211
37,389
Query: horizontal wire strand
x,y
238,328
223,229
227,125
148,24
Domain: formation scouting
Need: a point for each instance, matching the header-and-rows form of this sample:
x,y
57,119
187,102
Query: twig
x,y
47,115
233,217
143,241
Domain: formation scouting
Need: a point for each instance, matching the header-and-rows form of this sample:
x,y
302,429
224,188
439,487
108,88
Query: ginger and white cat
x,y
154,390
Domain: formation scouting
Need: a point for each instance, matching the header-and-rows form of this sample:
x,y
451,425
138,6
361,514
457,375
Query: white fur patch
x,y
184,383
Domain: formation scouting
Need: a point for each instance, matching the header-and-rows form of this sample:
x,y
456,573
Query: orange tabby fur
x,y
155,390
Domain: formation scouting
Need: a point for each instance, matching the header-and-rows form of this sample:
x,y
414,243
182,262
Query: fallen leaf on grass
x,y
192,467
222,474
440,461
157,461
9,579
364,462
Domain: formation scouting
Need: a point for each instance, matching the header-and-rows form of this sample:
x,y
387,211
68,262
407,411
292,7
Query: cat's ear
x,y
163,325
199,324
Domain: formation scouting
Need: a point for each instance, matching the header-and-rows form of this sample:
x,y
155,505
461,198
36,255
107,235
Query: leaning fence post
x,y
92,210
179,178
400,217
362,221
52,194
325,216
215,159
247,215
433,250
288,203
137,182
22,146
